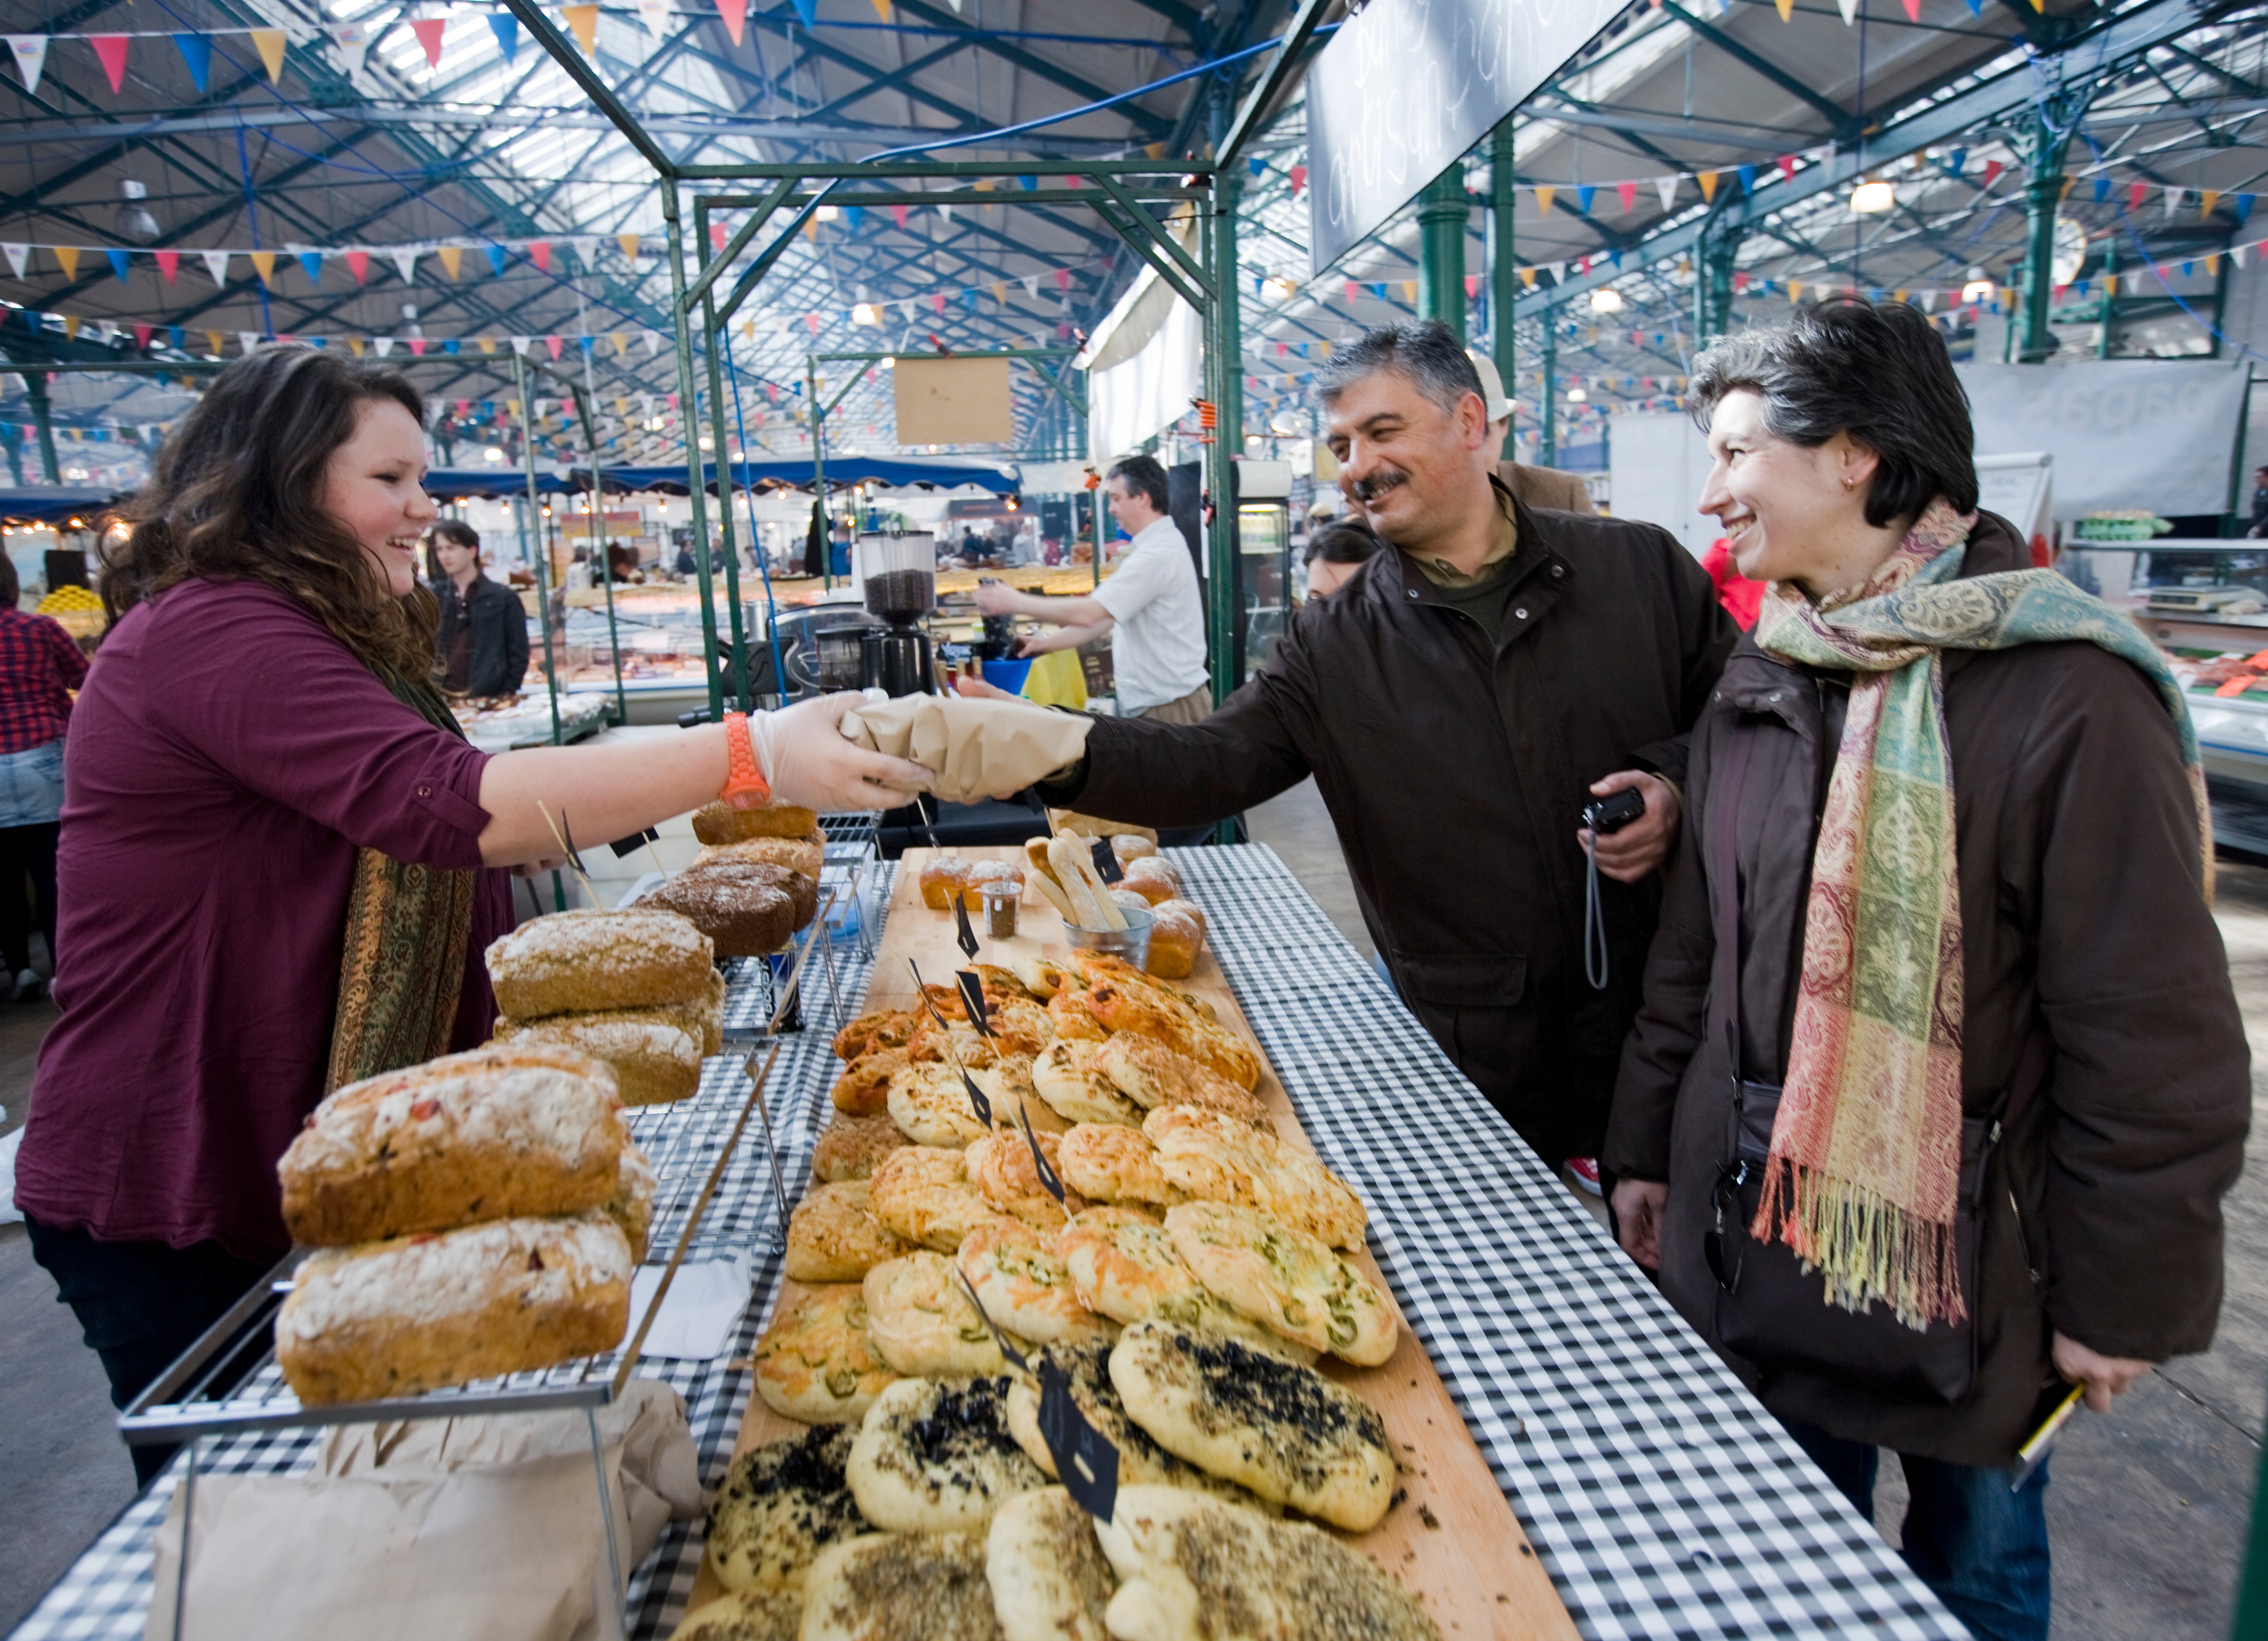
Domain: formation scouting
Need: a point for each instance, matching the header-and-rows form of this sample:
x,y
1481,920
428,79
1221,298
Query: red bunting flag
x,y
2135,191
1062,278
1992,170
1628,191
418,347
735,14
428,30
716,236
142,337
358,265
464,407
111,48
1299,180
1787,164
936,300
553,344
169,263
898,215
1472,287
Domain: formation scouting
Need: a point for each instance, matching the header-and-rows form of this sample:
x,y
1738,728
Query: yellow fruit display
x,y
69,599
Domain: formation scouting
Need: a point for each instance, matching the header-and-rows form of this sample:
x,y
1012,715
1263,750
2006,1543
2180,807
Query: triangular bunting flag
x,y
1472,288
217,265
383,345
1708,182
214,342
1408,290
882,10
1584,195
111,49
313,263
735,14
584,20
629,244
554,343
1627,192
67,259
247,340
1787,164
418,347
270,43
353,41
31,54
358,265
196,51
1784,7
263,262
1913,11
354,345
121,264
520,344
488,344
429,31
808,11
1667,187
507,33
539,252
2207,200
405,261
655,15
1543,197
2136,192
142,336
1992,170
496,258
2173,197
17,255
1850,9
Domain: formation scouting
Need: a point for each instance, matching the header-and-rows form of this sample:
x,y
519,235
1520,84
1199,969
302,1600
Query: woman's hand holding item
x,y
977,690
1638,1219
2104,1376
809,760
1639,847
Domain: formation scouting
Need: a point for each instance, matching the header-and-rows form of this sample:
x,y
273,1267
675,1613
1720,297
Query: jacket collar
x,y
1394,579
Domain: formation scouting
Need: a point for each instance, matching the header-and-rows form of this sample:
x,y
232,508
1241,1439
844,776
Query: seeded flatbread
x,y
781,1505
1086,1367
745,1616
1217,1159
1287,1279
892,1586
1192,1568
1050,1578
833,1236
924,1193
816,1362
922,1323
1285,1432
1023,1287
935,1456
1069,1080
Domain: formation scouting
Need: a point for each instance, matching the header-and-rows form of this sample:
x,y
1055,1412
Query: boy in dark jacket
x,y
482,647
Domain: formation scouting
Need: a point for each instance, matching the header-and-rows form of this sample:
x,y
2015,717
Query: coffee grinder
x,y
897,578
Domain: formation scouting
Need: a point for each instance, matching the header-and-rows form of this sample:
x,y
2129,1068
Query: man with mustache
x,y
1459,701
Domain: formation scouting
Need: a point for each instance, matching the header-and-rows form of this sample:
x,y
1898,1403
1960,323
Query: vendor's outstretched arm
x,y
1157,774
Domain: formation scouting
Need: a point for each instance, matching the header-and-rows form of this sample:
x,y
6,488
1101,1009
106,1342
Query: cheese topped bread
x,y
1110,1164
1024,1286
816,1363
833,1236
922,1193
922,1323
1145,1071
931,1105
852,1145
1291,1282
1070,1078
1001,1166
1219,1159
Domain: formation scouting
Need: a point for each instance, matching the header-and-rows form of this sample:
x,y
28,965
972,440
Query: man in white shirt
x,y
1151,607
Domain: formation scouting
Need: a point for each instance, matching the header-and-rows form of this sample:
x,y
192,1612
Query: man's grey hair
x,y
1423,352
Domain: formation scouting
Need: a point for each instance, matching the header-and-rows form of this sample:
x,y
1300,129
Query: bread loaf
x,y
805,854
656,1057
580,962
414,1313
942,877
739,904
498,1133
721,823
1177,930
631,1206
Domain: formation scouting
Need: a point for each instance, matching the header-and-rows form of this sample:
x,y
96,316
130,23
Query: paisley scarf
x,y
402,967
1865,1162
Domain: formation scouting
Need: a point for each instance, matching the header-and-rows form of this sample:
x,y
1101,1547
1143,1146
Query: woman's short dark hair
x,y
1877,371
11,586
237,494
458,531
1145,476
1343,541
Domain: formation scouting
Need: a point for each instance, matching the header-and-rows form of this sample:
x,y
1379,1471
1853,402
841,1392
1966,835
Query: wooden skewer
x,y
567,850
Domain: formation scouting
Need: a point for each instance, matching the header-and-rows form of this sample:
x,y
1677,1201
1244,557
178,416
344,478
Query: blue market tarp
x,y
51,504
488,483
1002,479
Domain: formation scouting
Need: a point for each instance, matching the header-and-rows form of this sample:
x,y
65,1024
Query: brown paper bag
x,y
442,1530
976,748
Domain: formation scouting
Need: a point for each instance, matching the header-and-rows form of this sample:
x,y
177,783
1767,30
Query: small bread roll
x,y
721,823
1130,846
1154,878
852,1145
943,878
864,1088
1177,930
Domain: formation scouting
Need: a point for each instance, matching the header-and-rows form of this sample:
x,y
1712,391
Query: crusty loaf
x,y
500,1132
703,1020
1177,932
631,1206
416,1314
721,823
805,854
655,1055
744,912
578,962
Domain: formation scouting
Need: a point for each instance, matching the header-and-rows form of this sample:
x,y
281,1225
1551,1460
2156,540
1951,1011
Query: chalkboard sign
x,y
1406,86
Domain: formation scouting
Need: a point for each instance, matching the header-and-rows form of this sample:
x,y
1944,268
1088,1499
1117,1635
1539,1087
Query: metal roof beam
x,y
1273,80
1838,119
1078,85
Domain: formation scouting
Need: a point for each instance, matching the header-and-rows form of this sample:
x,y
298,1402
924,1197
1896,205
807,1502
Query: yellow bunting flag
x,y
882,10
584,20
1900,296
67,259
355,346
264,263
748,330
984,185
452,257
2069,183
2207,200
621,341
1155,150
1708,182
1795,290
2111,284
213,343
1527,277
2212,265
811,229
629,244
1543,199
270,43
70,327
1788,6
2039,6
488,344
1000,293
1408,290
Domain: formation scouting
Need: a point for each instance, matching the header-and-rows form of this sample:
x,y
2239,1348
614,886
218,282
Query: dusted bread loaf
x,y
743,907
414,1314
500,1132
805,854
655,1055
579,962
721,823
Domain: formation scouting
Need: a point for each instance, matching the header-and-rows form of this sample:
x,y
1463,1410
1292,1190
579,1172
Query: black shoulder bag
x,y
1769,1308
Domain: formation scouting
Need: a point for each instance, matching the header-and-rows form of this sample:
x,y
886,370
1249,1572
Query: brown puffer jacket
x,y
2097,1004
1455,764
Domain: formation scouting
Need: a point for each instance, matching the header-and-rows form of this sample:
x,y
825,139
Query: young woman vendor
x,y
281,861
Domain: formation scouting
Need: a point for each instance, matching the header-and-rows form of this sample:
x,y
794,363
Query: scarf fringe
x,y
1868,1249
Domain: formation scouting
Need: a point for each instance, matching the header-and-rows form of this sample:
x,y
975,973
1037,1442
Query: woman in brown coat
x,y
1938,1078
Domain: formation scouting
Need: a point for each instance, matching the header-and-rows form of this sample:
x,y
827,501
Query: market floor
x,y
2146,1513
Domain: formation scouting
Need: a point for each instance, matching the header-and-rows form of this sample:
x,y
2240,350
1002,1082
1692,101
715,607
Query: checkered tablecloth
x,y
1660,1495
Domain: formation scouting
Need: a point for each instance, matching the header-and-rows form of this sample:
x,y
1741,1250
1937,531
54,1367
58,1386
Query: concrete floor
x,y
2147,1509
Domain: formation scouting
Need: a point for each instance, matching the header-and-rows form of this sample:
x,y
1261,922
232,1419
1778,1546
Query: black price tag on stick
x,y
1049,1178
636,841
1086,1463
1014,1357
972,998
928,1001
1106,861
977,1103
964,937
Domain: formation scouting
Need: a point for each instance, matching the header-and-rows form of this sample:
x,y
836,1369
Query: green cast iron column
x,y
1547,444
1441,249
1228,330
2045,188
1504,269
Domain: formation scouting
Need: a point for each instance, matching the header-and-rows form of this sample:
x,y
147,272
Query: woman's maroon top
x,y
226,758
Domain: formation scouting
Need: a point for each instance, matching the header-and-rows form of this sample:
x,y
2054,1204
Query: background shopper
x,y
1977,1070
39,666
280,860
1335,552
482,641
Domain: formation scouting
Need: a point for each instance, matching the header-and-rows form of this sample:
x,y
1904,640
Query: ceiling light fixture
x,y
1606,299
1871,199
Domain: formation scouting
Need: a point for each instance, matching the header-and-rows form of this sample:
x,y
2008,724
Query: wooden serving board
x,y
1451,1539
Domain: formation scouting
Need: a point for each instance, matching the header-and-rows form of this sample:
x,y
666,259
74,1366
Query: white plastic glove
x,y
806,759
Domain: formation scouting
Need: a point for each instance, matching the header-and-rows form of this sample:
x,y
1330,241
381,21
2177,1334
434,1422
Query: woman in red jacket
x,y
281,861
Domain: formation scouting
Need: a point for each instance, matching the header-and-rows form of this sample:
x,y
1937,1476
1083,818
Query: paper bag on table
x,y
444,1530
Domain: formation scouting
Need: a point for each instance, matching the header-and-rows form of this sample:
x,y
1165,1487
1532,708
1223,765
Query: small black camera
x,y
1612,813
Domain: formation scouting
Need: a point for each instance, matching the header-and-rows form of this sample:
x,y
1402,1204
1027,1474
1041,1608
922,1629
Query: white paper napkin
x,y
697,1320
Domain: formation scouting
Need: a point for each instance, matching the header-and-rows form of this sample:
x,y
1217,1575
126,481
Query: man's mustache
x,y
1377,483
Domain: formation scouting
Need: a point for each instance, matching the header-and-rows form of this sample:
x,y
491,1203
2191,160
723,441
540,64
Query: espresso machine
x,y
897,580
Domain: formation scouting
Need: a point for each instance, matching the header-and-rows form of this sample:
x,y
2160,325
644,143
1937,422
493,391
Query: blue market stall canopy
x,y
495,484
54,504
1002,479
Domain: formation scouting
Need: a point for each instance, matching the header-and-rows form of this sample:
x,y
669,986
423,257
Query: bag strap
x,y
1721,852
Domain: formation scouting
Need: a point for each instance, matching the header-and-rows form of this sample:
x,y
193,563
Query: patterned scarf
x,y
1865,1160
403,964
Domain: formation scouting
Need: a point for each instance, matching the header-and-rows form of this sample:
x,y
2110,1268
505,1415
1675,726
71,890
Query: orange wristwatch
x,y
744,777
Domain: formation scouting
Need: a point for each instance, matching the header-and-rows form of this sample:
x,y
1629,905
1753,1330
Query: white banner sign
x,y
2154,434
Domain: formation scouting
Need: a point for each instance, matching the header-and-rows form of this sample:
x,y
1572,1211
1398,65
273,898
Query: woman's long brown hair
x,y
237,494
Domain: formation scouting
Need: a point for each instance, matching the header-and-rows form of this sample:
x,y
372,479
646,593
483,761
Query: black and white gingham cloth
x,y
1660,1495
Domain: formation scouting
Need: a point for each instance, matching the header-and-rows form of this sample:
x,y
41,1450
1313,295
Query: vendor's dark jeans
x,y
1981,1548
140,1305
